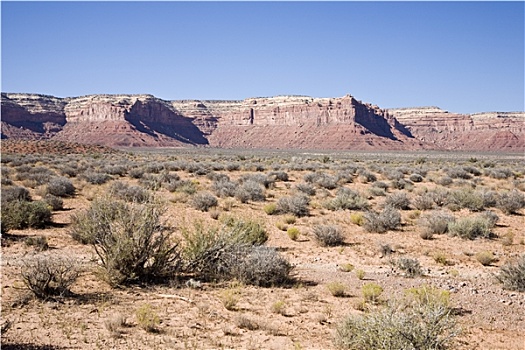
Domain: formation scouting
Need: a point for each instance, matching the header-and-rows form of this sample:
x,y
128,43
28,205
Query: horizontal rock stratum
x,y
282,122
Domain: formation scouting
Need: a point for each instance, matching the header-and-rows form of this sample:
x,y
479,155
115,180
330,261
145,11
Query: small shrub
x,y
328,235
485,258
60,187
411,267
347,199
19,215
512,275
445,181
245,230
95,178
15,193
360,274
471,227
440,258
337,289
306,188
270,208
416,178
357,218
250,191
371,292
260,266
223,187
114,323
132,242
203,201
348,267
39,242
279,175
296,205
366,176
229,299
290,219
398,200
279,307
246,322
510,202
281,226
388,219
435,222
467,198
385,249
417,321
125,192
147,318
424,202
48,276
293,233
56,203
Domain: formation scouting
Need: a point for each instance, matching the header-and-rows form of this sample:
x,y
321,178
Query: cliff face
x,y
32,116
291,122
449,131
282,122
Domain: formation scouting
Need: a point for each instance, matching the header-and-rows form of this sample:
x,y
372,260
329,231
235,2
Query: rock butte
x,y
281,122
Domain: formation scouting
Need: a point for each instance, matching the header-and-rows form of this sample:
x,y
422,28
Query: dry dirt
x,y
195,318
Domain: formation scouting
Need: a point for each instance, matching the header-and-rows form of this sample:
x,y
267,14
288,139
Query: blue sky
x,y
461,56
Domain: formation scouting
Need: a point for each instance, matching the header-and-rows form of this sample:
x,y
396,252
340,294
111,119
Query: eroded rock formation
x,y
282,122
449,131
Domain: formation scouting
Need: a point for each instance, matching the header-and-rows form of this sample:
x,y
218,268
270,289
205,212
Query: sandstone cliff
x,y
449,131
282,122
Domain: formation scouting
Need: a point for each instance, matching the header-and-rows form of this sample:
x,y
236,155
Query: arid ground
x,y
193,312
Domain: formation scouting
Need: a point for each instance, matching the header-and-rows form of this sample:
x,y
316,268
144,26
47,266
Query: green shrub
x,y
130,239
19,215
467,198
371,292
233,251
337,289
347,199
357,218
270,208
293,233
512,275
485,258
49,276
417,321
147,318
328,235
471,227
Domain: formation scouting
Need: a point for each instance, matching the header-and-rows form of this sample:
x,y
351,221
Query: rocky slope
x,y
282,122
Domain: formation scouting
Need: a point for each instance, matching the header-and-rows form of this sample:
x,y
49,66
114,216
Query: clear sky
x,y
461,56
